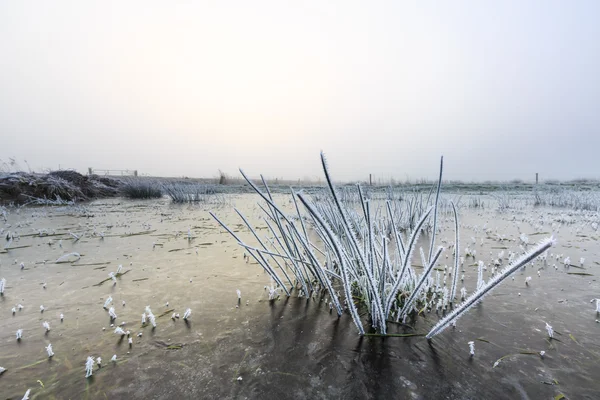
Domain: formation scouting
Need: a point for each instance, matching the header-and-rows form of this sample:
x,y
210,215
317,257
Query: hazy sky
x,y
502,89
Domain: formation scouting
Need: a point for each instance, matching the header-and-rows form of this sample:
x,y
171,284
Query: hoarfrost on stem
x,y
550,330
108,301
89,366
472,348
49,350
151,317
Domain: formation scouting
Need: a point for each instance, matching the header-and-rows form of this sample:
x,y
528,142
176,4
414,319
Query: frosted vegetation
x,y
368,250
479,286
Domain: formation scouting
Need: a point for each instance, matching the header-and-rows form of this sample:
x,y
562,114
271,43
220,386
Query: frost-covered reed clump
x,y
578,200
362,250
141,188
194,193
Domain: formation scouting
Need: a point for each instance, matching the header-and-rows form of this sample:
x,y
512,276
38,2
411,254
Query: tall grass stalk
x,y
491,284
456,254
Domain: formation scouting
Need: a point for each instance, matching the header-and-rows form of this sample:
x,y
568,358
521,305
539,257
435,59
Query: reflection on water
x,y
289,348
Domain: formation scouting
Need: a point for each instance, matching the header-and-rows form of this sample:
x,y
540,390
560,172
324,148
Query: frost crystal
x,y
151,317
550,330
472,348
152,320
89,367
49,350
108,301
524,239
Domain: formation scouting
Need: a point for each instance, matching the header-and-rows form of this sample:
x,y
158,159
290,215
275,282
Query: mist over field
x,y
501,89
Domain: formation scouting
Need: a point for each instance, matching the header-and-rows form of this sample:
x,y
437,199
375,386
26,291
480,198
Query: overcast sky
x,y
502,89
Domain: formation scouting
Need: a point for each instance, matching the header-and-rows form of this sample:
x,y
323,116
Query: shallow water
x,y
289,348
